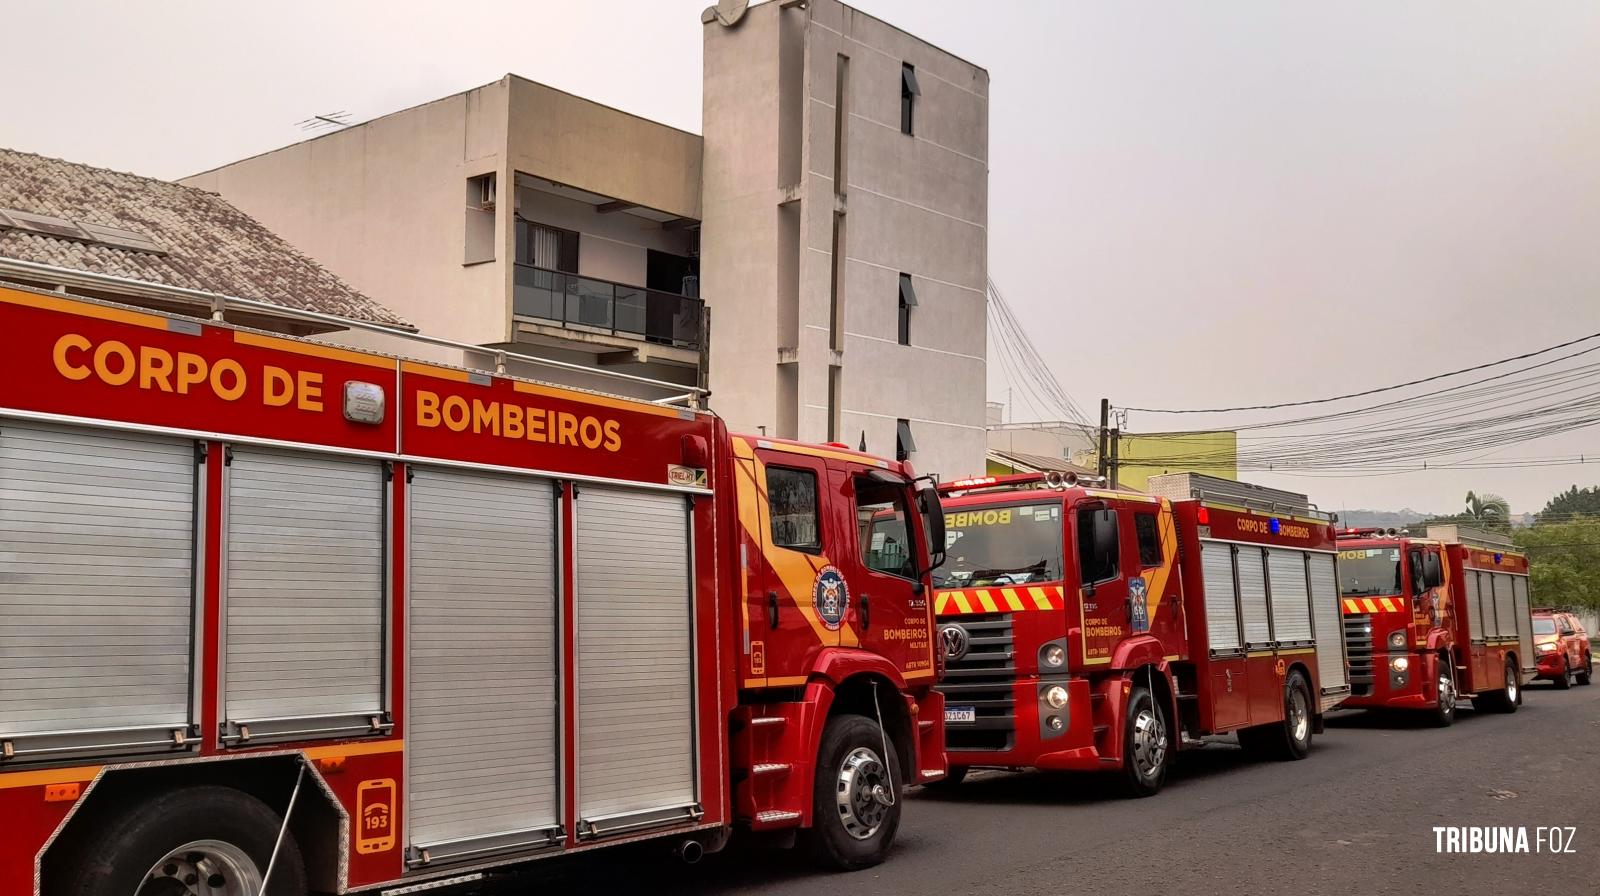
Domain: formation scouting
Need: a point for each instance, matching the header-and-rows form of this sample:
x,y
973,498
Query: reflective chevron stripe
x,y
958,601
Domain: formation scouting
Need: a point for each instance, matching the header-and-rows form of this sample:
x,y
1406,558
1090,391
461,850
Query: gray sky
x,y
1190,204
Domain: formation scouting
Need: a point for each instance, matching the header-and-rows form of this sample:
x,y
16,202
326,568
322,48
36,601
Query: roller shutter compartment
x,y
1505,610
483,708
1327,616
1253,597
1222,614
635,654
96,589
1472,590
303,595
1523,611
1291,596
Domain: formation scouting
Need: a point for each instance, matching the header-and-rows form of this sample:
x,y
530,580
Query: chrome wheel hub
x,y
1512,686
1447,694
864,794
1149,742
203,868
1299,716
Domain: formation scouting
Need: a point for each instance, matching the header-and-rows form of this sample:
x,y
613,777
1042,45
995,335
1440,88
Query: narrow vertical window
x,y
836,285
904,444
908,301
834,395
908,97
841,122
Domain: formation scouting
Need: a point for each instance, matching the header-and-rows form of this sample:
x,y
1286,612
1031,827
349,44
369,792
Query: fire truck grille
x,y
982,680
1358,644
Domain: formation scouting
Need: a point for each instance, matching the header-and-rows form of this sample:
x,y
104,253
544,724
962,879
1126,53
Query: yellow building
x,y
1139,455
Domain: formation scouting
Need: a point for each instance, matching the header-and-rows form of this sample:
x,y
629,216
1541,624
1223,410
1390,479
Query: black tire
x,y
1587,672
125,848
1443,714
850,768
952,779
1147,744
1564,680
1502,700
1289,739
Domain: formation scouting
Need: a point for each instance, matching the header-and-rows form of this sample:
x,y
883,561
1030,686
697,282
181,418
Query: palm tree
x,y
1487,508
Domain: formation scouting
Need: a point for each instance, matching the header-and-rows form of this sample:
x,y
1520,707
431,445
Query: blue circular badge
x,y
831,596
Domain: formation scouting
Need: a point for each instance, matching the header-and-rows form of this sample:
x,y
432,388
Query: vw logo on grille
x,y
955,641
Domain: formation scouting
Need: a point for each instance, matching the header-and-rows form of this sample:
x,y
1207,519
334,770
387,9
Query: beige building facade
x,y
817,259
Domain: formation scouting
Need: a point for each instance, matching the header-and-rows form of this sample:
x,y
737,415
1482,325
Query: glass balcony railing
x,y
601,306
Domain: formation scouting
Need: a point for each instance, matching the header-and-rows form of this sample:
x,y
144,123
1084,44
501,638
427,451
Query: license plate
x,y
960,714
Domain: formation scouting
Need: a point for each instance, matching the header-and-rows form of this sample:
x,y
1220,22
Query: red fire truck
x,y
276,610
1087,629
1429,620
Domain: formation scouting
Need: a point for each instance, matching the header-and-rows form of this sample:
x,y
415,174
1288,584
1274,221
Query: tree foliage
x,y
1486,507
1572,502
1564,562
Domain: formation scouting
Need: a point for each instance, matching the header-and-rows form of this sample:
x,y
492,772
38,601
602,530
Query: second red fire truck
x,y
1432,619
1090,629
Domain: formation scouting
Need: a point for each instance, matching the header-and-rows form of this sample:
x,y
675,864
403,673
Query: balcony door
x,y
543,246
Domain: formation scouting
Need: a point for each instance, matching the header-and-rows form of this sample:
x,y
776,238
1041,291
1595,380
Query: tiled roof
x,y
209,245
1037,463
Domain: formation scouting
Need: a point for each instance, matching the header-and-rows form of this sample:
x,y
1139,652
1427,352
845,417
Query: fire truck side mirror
x,y
932,521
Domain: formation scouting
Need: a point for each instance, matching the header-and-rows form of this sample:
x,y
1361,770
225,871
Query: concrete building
x,y
1063,445
818,259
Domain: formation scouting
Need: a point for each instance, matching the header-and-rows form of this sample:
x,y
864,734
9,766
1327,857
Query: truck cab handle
x,y
772,609
865,612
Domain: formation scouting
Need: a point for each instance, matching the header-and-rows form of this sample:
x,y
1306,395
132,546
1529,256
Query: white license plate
x,y
960,714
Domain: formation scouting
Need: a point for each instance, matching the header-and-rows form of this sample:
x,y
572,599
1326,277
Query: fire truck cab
x,y
1091,629
277,612
1433,619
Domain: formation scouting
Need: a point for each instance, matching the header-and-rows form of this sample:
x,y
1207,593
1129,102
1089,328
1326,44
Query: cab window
x,y
1144,526
883,525
1544,625
1097,562
792,504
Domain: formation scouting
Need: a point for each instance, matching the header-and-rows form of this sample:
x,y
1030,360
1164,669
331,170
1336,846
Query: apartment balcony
x,y
646,324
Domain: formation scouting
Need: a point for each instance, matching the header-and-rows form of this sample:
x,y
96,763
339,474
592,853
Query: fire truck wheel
x,y
1587,672
1291,738
211,840
1505,699
1444,711
1146,745
856,800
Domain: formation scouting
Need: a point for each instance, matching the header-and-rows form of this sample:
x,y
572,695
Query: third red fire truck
x,y
278,612
1433,619
1091,629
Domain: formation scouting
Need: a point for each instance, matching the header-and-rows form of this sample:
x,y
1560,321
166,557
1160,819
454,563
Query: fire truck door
x,y
888,607
1103,593
798,595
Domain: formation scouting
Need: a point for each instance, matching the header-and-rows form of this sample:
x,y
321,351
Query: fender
x,y
836,664
1142,650
1438,640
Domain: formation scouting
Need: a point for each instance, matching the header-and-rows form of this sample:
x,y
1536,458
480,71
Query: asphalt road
x,y
1355,817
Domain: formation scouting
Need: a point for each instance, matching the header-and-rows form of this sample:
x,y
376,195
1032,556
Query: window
x,y
908,301
992,546
792,498
883,528
1144,526
547,247
909,91
479,234
1098,544
903,443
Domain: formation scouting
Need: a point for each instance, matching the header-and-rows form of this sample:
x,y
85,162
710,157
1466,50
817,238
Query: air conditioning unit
x,y
485,191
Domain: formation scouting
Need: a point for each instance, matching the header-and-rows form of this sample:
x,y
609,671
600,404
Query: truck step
x,y
768,721
434,884
776,818
770,768
924,724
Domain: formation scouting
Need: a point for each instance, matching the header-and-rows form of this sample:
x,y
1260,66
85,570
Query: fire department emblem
x,y
831,596
954,641
1138,614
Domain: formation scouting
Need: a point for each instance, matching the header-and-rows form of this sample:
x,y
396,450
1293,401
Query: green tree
x,y
1563,561
1573,502
1488,507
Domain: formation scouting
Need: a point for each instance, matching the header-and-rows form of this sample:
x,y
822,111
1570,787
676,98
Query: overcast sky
x,y
1191,205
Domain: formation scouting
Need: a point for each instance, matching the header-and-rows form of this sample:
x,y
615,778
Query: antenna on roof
x,y
338,119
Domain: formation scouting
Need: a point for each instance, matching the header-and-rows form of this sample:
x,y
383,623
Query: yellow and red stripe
x,y
1374,605
1012,599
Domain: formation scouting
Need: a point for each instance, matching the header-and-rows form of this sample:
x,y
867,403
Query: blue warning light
x,y
1273,526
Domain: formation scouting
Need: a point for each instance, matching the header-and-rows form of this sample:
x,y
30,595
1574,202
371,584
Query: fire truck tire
x,y
1444,709
1146,745
1290,739
1505,699
851,827
953,778
212,836
1587,672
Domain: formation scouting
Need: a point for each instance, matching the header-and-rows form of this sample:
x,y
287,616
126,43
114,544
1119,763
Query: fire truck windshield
x,y
1010,545
1369,571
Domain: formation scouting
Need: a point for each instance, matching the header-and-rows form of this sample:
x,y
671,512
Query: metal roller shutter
x,y
96,585
482,743
1291,597
635,654
1505,611
1326,615
1474,608
1222,614
304,595
1253,597
1524,619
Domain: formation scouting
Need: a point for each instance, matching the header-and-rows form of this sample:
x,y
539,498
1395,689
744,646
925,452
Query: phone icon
x,y
375,816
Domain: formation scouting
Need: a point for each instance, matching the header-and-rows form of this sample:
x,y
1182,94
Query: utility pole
x,y
1102,449
1116,439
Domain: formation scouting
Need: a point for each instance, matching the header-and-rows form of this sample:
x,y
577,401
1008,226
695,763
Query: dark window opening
x,y
1098,545
908,301
792,504
883,527
543,246
909,91
1144,526
903,443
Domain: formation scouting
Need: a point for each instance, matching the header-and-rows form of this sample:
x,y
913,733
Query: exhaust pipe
x,y
690,851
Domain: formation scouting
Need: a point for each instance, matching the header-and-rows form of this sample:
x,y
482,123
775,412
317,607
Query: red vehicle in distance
x,y
1562,648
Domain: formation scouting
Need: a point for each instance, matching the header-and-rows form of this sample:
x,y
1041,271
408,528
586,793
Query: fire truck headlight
x,y
1546,648
1399,664
1056,696
1054,656
1398,639
1055,723
363,402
